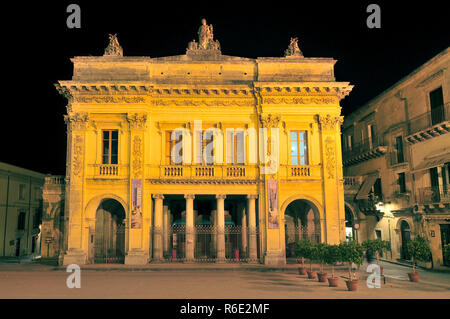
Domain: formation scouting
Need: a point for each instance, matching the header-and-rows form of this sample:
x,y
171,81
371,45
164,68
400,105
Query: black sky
x,y
39,46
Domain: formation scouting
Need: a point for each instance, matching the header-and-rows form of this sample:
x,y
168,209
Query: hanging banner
x,y
136,203
272,193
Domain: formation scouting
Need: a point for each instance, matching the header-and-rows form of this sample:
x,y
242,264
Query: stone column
x,y
220,227
165,229
244,229
189,226
157,228
252,227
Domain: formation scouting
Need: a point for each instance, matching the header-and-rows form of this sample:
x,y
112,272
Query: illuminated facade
x,y
202,156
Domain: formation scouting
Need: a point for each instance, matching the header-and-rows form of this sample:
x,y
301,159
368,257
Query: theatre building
x,y
201,157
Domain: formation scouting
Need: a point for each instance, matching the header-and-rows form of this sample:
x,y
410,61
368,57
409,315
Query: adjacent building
x,y
20,211
397,162
202,156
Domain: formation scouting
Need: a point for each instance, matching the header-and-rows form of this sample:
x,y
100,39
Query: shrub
x,y
302,249
375,247
352,252
332,256
419,250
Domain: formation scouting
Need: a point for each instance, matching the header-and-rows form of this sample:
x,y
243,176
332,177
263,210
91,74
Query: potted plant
x,y
321,253
312,256
375,247
352,253
419,250
332,256
301,252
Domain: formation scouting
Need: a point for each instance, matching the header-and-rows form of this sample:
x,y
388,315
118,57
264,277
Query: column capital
x,y
189,196
221,196
252,196
158,196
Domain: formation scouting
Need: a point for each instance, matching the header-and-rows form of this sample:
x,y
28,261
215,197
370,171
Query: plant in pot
x,y
321,253
301,252
419,250
332,256
312,256
446,253
375,247
352,253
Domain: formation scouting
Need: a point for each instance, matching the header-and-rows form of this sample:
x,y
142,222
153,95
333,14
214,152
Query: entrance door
x,y
406,237
445,239
17,247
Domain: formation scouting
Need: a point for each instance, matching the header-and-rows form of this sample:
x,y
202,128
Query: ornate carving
x,y
205,39
299,100
189,196
113,48
76,121
158,196
330,156
110,99
77,155
328,122
137,121
137,156
66,93
293,49
208,102
270,120
221,196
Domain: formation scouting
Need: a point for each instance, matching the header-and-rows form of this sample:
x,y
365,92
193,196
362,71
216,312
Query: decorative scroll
x,y
330,156
299,100
136,203
109,99
272,193
137,156
77,156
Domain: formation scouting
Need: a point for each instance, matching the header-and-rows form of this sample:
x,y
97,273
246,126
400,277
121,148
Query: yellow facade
x,y
143,98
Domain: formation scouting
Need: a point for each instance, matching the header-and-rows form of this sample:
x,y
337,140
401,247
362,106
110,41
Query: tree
x,y
352,252
302,249
321,254
419,250
376,246
332,256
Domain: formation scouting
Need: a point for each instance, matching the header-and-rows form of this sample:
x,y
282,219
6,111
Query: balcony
x,y
300,172
352,184
364,150
433,195
429,124
107,171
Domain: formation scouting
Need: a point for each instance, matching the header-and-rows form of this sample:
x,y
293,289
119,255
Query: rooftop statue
x,y
113,48
205,39
293,49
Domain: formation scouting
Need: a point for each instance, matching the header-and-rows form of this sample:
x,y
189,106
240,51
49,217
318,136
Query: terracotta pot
x,y
322,276
333,282
302,271
352,285
413,276
312,274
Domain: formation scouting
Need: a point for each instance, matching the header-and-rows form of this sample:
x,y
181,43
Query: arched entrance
x,y
302,222
405,232
350,233
109,237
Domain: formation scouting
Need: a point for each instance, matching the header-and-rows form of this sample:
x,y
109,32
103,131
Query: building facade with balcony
x,y
20,211
202,156
396,162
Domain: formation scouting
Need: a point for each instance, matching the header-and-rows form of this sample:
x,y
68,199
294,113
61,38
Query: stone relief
x,y
110,99
77,157
330,156
204,102
299,100
137,156
77,120
270,121
137,121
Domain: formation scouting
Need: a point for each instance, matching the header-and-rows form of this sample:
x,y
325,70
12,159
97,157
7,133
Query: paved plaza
x,y
209,281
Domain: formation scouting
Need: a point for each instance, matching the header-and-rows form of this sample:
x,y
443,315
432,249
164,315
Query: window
x,y
110,146
204,149
371,135
399,149
299,148
377,191
21,221
22,191
349,142
437,106
170,145
235,147
36,218
402,182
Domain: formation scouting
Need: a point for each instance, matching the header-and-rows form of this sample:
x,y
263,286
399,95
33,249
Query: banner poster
x,y
136,203
272,192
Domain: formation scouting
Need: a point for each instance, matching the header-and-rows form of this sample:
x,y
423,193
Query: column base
x,y
77,257
274,259
136,258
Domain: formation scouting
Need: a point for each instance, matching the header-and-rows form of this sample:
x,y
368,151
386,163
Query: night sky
x,y
38,45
